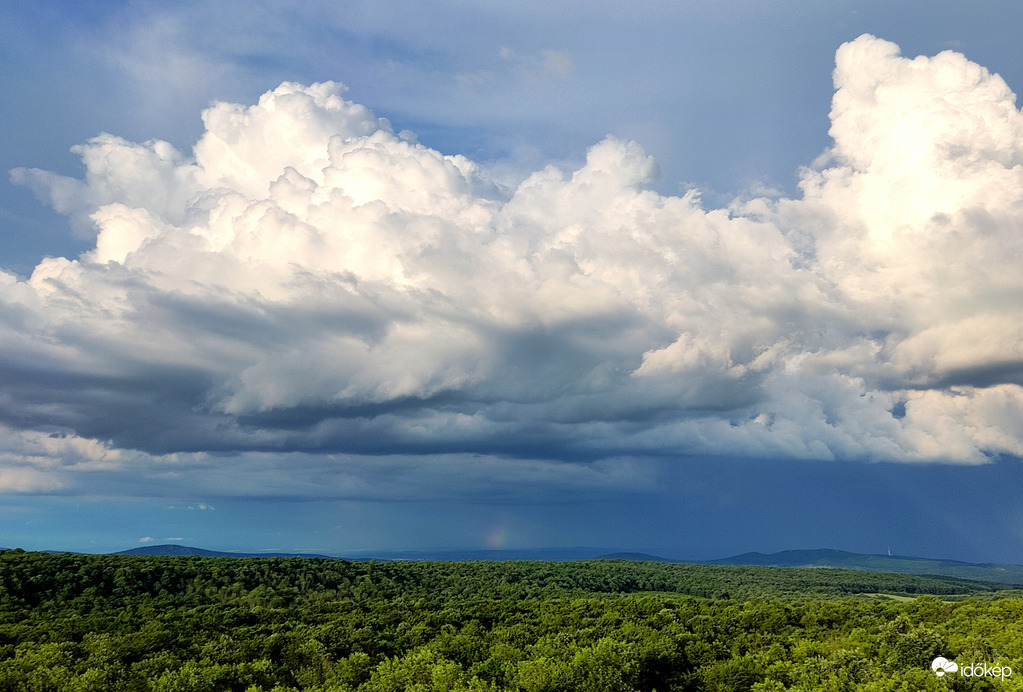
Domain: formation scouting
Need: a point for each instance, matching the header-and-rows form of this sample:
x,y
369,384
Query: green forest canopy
x,y
88,622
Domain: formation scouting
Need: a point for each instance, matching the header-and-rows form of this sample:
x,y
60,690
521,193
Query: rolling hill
x,y
172,549
899,564
816,559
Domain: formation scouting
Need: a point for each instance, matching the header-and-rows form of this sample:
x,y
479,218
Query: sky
x,y
686,278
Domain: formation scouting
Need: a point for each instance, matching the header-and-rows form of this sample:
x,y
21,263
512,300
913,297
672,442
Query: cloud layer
x,y
307,282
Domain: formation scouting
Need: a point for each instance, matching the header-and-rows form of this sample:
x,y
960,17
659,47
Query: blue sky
x,y
692,278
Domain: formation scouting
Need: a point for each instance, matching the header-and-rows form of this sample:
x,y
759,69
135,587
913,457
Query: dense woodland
x,y
87,622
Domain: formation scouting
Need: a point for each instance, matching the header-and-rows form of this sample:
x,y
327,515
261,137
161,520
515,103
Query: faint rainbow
x,y
498,536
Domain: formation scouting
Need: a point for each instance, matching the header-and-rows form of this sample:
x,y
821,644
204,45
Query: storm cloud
x,y
308,293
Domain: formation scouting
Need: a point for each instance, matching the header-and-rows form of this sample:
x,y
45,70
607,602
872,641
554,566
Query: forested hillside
x,y
1007,573
84,622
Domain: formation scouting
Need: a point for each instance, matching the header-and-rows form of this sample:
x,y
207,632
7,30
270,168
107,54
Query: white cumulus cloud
x,y
307,281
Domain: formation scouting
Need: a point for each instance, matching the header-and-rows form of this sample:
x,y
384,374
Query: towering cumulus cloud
x,y
309,283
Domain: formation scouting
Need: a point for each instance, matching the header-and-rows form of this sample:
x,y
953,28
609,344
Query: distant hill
x,y
188,550
635,557
212,579
819,559
900,564
439,555
536,554
541,554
